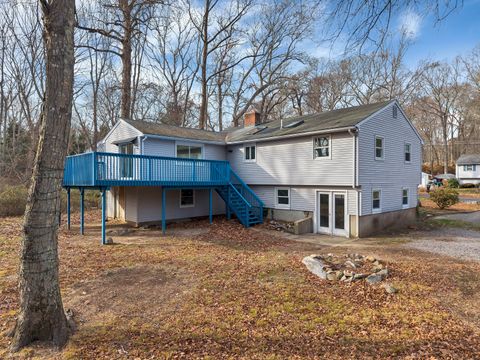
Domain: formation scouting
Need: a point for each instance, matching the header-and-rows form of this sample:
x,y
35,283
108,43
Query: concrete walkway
x,y
472,217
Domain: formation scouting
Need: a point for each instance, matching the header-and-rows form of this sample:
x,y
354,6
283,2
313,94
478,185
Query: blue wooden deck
x,y
100,170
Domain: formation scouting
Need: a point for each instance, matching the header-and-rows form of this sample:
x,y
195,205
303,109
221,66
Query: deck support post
x,y
210,205
229,215
104,213
68,208
164,224
82,211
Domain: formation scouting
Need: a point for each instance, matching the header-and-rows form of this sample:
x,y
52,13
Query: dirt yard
x,y
222,291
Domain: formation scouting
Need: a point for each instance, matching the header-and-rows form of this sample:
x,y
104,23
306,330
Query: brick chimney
x,y
251,118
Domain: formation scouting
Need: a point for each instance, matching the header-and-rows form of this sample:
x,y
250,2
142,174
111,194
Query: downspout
x,y
354,133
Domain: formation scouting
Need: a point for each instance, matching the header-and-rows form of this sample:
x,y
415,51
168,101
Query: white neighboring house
x,y
468,169
353,171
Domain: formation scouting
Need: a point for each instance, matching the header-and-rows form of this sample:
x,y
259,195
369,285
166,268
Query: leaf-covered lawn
x,y
230,292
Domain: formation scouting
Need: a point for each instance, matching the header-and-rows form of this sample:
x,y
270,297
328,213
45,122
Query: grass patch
x,y
449,223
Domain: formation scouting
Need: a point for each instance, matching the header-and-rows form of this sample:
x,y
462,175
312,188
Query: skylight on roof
x,y
293,124
256,130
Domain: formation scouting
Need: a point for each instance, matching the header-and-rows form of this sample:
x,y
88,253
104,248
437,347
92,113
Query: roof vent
x,y
293,124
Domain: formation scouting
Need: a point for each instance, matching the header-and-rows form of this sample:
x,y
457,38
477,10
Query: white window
x,y
250,153
395,111
321,147
376,200
379,148
408,152
282,198
187,198
186,151
469,167
404,198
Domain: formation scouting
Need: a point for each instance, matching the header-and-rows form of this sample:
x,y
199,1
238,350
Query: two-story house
x,y
354,171
468,169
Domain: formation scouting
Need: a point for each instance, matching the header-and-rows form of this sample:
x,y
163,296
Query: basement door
x,y
332,213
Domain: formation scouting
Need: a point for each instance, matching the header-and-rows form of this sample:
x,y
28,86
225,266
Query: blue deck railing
x,y
110,169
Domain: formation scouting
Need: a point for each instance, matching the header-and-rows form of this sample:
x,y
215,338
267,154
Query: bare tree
x,y
124,22
41,315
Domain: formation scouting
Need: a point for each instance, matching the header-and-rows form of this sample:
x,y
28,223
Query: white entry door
x,y
332,217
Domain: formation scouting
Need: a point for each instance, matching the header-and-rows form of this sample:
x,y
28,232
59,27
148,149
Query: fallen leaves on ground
x,y
231,292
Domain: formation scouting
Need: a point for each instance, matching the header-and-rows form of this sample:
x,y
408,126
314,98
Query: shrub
x,y
444,197
13,200
468,186
453,183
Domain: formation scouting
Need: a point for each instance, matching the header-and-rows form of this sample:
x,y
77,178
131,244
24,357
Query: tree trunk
x,y
203,106
445,144
126,61
41,316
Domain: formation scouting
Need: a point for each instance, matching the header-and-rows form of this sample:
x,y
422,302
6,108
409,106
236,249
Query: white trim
x,y
180,199
329,157
191,144
249,145
407,205
375,148
283,206
378,210
316,213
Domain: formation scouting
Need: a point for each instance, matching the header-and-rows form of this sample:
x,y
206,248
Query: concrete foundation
x,y
288,215
303,226
372,224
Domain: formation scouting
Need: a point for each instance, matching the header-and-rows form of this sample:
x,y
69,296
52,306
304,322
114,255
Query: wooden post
x,y
82,211
104,213
164,225
68,208
210,204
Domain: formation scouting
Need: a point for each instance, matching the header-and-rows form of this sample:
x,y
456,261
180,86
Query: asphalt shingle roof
x,y
331,120
470,159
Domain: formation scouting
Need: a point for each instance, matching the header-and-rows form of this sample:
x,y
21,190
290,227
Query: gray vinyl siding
x,y
291,162
121,131
393,173
150,199
164,147
303,198
158,147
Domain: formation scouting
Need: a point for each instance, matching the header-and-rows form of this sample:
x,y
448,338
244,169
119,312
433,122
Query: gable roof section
x,y
470,159
341,119
150,128
326,121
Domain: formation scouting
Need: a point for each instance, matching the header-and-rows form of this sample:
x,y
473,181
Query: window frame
x,y
409,152
408,197
249,146
190,145
379,209
187,205
314,148
283,206
382,158
471,166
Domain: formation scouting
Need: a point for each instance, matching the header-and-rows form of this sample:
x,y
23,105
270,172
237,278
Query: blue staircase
x,y
242,201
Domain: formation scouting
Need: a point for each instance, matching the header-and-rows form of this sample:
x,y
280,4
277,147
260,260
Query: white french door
x,y
332,213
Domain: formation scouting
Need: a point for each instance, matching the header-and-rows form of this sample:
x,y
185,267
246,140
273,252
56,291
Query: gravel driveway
x,y
459,243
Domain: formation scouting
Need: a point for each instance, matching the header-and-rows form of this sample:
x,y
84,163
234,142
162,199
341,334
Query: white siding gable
x,y
120,131
392,173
